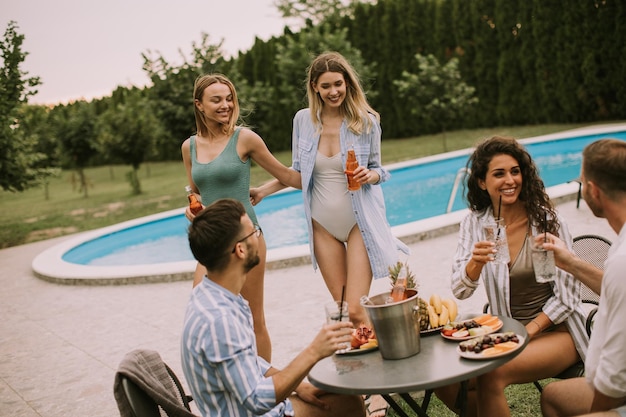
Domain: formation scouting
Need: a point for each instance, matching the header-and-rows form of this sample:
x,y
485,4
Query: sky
x,y
87,48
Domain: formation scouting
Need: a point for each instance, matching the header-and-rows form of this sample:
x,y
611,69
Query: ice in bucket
x,y
397,325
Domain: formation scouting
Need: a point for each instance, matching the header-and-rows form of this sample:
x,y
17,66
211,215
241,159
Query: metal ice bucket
x,y
397,325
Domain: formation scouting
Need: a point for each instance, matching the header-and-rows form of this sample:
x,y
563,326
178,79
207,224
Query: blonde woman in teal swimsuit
x,y
217,161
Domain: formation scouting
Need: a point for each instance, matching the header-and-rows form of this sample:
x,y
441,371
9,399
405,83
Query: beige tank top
x,y
527,295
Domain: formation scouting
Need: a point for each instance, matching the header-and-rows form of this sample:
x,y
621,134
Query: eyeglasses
x,y
257,232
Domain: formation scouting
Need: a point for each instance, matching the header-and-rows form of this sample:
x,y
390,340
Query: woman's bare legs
x,y
545,355
344,266
253,292
347,265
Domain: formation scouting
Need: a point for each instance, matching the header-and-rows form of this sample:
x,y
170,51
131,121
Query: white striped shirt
x,y
219,357
368,202
564,305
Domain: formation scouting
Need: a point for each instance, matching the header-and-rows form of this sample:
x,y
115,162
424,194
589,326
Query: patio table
x,y
438,364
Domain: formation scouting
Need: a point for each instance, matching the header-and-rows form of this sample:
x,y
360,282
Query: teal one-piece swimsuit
x,y
227,176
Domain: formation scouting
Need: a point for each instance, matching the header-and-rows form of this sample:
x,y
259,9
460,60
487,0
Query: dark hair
x,y
533,193
604,163
214,231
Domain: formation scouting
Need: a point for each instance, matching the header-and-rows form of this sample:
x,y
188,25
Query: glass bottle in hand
x,y
351,165
195,206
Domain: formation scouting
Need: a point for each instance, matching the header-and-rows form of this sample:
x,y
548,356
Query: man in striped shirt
x,y
219,357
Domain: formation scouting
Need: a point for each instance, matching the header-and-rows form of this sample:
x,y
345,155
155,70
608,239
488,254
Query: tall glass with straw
x,y
495,231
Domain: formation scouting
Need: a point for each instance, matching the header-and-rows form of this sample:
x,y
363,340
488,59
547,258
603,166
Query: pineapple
x,y
423,314
394,271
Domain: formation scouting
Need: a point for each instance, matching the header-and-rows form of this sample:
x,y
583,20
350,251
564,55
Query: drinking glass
x,y
496,232
543,264
337,311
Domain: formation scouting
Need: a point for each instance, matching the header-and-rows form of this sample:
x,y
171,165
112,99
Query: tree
x,y
275,106
172,89
76,131
20,166
436,92
315,11
129,132
34,127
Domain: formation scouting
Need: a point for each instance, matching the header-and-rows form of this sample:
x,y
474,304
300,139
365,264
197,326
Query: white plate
x,y
357,351
460,339
474,355
428,332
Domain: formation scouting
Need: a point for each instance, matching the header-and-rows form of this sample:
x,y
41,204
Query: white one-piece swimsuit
x,y
331,205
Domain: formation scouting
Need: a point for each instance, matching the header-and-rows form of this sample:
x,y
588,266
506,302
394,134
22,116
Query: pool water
x,y
414,192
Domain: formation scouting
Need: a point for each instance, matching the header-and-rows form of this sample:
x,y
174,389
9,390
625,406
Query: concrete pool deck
x,y
60,345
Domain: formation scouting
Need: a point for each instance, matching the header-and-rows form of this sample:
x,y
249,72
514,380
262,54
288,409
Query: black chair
x,y
145,386
580,190
593,249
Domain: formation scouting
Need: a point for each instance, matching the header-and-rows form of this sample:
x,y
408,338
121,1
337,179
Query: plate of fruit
x,y
436,313
363,340
478,326
490,346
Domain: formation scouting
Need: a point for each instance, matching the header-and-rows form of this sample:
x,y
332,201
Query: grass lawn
x,y
29,216
523,402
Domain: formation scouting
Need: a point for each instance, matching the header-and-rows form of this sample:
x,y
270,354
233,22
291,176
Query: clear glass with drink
x,y
337,311
496,232
543,264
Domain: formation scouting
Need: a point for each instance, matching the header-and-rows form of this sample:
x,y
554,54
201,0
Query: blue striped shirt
x,y
368,202
219,357
564,306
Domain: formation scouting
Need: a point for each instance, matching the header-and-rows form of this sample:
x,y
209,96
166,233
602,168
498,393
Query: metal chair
x,y
593,249
146,387
579,195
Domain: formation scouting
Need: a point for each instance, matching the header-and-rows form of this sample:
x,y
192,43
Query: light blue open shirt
x,y
368,202
219,357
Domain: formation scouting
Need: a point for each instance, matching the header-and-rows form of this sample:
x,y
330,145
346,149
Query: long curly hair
x,y
533,194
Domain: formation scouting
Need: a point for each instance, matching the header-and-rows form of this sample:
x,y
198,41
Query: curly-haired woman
x,y
504,182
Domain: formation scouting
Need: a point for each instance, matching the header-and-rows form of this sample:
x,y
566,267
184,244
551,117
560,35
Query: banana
x,y
432,317
444,316
435,301
452,307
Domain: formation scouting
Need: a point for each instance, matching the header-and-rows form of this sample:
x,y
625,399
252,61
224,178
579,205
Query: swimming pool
x,y
418,192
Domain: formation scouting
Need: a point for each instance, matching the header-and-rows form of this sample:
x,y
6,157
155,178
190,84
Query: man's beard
x,y
250,262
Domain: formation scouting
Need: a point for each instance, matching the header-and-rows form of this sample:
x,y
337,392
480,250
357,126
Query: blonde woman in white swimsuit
x,y
349,236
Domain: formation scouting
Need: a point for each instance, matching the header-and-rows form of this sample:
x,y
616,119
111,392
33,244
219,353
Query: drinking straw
x,y
498,218
343,295
545,226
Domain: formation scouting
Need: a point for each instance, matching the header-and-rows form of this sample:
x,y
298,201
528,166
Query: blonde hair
x,y
200,85
355,107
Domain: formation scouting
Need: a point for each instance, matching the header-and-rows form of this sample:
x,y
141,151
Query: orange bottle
x,y
351,165
398,292
194,205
